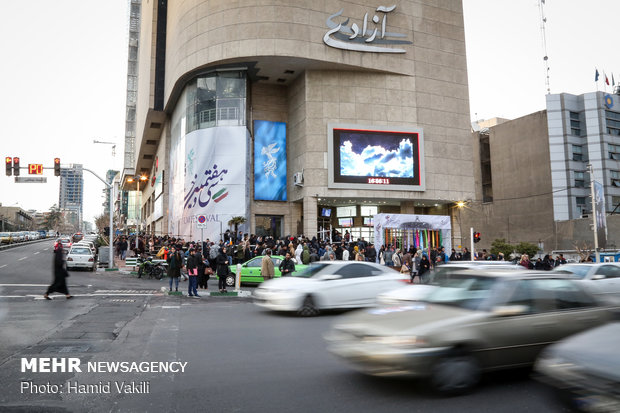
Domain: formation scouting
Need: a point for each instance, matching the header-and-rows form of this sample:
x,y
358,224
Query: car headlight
x,y
396,341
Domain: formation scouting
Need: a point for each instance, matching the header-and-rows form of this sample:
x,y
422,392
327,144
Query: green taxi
x,y
250,270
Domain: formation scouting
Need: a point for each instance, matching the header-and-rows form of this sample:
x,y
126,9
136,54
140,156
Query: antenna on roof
x,y
543,22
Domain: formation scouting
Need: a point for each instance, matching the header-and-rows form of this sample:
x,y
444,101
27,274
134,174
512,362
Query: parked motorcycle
x,y
147,267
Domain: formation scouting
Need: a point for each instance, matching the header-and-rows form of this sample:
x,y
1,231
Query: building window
x,y
217,99
577,153
579,179
575,124
613,122
615,178
615,203
614,152
581,205
485,169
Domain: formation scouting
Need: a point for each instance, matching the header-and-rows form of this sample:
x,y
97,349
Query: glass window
x,y
367,211
615,178
614,152
581,200
574,115
579,179
357,271
256,262
564,294
348,211
609,271
523,295
577,153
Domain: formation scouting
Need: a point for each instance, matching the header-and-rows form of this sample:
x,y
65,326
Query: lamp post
x,y
137,179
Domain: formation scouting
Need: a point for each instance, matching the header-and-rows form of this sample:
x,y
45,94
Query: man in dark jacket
x,y
287,266
175,263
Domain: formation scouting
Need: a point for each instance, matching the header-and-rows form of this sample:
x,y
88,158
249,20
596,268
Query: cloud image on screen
x,y
377,155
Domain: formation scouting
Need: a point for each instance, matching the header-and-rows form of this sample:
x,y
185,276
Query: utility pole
x,y
593,195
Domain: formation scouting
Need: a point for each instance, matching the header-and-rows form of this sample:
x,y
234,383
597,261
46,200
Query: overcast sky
x,y
63,77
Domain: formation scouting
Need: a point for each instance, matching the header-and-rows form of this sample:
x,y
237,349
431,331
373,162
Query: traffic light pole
x,y
471,240
111,188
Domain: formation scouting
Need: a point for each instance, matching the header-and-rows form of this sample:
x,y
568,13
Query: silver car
x,y
603,279
477,322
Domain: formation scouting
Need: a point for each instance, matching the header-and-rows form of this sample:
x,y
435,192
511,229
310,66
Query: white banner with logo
x,y
215,184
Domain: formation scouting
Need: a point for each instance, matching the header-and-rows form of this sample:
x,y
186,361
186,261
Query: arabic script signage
x,y
371,37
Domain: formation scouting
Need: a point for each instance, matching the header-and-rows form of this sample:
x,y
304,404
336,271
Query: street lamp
x,y
137,179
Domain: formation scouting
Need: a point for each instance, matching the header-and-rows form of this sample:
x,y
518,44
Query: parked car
x,y
6,238
80,256
603,279
415,292
585,369
89,244
328,285
478,322
251,270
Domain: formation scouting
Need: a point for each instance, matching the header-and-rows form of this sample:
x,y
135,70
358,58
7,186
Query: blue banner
x,y
269,161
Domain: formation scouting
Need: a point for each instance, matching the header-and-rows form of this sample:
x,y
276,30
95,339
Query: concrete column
x,y
310,216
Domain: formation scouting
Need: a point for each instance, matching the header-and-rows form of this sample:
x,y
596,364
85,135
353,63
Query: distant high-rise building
x,y
71,195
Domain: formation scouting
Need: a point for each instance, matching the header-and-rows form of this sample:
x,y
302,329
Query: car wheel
x,y
230,280
456,373
308,308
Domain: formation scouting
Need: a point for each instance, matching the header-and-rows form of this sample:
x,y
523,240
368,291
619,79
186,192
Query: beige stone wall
x,y
522,207
146,67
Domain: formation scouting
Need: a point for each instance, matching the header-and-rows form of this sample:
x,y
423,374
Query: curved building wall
x,y
296,78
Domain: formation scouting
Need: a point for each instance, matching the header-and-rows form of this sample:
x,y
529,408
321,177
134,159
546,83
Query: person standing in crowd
x,y
222,263
389,253
267,268
305,255
287,266
345,254
425,266
192,273
397,258
547,263
415,266
122,247
59,285
371,253
525,262
204,271
175,263
466,255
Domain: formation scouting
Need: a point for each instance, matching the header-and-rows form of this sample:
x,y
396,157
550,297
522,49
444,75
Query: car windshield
x,y
311,270
80,251
464,291
578,270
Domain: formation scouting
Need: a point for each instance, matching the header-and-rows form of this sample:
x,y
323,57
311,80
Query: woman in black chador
x,y
60,275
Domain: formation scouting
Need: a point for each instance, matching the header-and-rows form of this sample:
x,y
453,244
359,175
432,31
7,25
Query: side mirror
x,y
510,310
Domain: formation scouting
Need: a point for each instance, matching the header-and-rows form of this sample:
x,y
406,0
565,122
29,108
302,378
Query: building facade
x,y
71,196
301,117
532,179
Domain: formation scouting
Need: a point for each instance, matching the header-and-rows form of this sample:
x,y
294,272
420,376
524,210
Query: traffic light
x,y
476,237
16,166
56,166
9,165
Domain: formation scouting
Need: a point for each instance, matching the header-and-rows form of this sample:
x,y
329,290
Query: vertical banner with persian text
x,y
269,160
215,181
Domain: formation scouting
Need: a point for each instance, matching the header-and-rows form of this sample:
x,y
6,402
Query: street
x,y
239,358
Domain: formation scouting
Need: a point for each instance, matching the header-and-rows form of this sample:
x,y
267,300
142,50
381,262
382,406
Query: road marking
x,y
170,306
38,252
22,258
2,266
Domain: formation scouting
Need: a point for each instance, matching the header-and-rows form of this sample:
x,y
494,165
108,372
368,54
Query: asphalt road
x,y
239,358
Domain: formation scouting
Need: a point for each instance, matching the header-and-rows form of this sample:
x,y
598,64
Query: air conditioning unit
x,y
298,179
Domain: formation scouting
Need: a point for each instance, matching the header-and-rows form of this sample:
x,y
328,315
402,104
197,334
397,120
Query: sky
x,y
63,77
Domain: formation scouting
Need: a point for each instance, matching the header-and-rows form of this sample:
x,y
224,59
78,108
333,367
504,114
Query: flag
x,y
606,80
613,82
596,75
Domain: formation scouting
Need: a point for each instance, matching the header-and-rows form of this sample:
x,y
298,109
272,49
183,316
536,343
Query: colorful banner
x,y
269,160
215,182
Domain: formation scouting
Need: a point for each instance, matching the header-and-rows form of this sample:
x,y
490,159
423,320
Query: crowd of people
x,y
214,257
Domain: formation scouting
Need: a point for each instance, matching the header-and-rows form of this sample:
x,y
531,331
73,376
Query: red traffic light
x,y
16,166
476,236
56,166
9,165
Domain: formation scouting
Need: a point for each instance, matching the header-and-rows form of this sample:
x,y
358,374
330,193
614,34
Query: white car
x,y
90,245
602,279
417,292
328,285
80,256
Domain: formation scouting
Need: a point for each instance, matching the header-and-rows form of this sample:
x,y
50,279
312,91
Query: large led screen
x,y
269,161
375,158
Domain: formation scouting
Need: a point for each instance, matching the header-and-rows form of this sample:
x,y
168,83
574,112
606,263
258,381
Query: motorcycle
x,y
147,267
